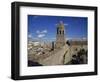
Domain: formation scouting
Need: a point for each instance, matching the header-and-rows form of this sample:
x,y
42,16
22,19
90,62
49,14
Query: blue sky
x,y
44,27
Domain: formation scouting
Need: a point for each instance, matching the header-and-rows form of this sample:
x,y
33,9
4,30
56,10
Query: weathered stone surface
x,y
56,58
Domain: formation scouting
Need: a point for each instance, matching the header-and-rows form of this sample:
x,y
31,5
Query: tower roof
x,y
61,25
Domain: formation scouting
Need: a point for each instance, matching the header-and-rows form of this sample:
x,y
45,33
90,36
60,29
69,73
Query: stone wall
x,y
57,58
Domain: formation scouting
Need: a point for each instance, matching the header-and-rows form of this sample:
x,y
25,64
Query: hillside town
x,y
62,51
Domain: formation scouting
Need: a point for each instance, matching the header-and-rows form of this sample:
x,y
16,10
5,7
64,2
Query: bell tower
x,y
60,35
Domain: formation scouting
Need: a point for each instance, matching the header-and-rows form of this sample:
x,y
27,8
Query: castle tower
x,y
60,35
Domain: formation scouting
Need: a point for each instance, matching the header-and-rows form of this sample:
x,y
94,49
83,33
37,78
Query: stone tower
x,y
60,35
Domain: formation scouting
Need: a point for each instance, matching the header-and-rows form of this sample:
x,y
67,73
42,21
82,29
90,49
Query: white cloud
x,y
29,36
44,31
77,39
84,38
69,38
40,32
66,24
41,35
37,31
